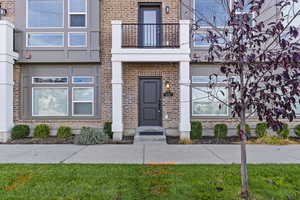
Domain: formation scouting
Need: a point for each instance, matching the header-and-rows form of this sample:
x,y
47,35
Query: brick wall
x,y
170,105
127,12
10,6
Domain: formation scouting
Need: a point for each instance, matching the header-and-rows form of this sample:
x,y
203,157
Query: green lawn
x,y
138,182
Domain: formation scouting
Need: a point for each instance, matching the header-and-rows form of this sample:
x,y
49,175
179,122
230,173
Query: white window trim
x,y
77,13
63,20
32,102
50,83
60,46
93,102
93,80
86,39
209,115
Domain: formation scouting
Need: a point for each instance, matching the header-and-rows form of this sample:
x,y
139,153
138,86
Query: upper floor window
x,y
45,39
77,13
210,13
45,13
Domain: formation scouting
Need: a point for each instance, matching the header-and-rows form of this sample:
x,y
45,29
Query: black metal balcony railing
x,y
150,35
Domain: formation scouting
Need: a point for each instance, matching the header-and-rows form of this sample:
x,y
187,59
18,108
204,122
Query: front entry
x,y
150,112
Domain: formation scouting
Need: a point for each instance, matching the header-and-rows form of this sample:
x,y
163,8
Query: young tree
x,y
259,53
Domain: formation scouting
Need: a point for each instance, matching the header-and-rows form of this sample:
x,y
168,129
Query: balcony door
x,y
149,25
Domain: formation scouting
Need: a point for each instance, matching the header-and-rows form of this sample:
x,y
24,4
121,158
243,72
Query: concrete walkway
x,y
148,153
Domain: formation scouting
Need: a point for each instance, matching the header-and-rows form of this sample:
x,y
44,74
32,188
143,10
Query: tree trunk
x,y
244,173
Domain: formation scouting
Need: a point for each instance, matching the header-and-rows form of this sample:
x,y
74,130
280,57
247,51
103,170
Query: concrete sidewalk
x,y
147,153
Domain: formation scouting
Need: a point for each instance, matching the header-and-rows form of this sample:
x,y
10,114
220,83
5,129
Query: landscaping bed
x,y
227,140
56,140
129,182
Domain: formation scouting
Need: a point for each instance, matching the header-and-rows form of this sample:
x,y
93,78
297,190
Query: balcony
x,y
166,42
150,35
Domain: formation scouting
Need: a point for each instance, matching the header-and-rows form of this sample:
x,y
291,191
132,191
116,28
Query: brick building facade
x,y
114,69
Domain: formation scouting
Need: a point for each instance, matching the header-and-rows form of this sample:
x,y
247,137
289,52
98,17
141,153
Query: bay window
x,y
45,13
48,17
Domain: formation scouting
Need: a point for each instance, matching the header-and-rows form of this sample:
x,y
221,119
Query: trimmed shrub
x,y
107,129
248,130
284,132
90,136
20,132
297,130
261,130
41,131
64,132
221,131
196,132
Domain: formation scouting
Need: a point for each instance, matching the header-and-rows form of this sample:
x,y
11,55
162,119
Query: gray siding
x,y
61,70
91,53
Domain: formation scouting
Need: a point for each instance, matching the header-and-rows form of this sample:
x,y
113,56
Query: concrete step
x,y
150,129
150,139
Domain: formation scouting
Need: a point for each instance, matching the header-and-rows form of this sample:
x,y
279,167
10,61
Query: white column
x,y
116,35
7,57
184,82
117,102
185,35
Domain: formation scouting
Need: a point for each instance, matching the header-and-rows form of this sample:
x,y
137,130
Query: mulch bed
x,y
56,140
213,140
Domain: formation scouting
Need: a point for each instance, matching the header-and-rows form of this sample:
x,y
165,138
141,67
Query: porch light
x,y
168,92
167,9
3,11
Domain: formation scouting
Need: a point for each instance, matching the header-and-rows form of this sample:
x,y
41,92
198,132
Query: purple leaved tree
x,y
258,51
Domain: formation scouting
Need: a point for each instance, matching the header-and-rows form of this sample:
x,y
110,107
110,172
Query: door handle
x,y
159,105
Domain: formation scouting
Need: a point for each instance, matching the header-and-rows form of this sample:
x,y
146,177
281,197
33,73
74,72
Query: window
x,y
204,102
212,11
77,39
45,13
83,80
291,11
83,99
49,101
200,40
77,13
49,80
246,10
297,109
45,39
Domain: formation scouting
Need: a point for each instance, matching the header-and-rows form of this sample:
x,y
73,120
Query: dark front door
x,y
149,26
150,102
